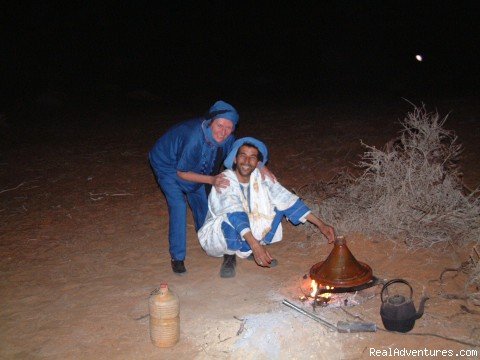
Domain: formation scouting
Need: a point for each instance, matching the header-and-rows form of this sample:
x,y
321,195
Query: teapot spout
x,y
421,307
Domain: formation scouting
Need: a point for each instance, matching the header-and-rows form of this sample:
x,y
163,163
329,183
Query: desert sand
x,y
83,240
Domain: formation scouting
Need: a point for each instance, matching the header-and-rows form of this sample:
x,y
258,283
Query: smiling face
x,y
221,129
245,162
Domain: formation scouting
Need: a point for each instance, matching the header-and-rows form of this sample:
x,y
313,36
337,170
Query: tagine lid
x,y
341,269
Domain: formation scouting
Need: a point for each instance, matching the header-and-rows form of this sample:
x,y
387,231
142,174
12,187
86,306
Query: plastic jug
x,y
164,307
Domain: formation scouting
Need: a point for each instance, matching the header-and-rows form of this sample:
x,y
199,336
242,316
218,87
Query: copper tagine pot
x,y
341,269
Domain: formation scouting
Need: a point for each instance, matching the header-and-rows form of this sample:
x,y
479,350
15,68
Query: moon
x,y
419,57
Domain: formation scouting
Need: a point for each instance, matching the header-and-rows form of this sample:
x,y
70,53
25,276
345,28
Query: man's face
x,y
246,161
221,129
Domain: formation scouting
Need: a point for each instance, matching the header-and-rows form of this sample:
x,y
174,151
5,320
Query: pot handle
x,y
384,288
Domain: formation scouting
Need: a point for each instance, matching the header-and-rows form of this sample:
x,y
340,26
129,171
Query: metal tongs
x,y
341,327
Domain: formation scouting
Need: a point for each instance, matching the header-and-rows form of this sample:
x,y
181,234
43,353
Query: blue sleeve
x,y
239,220
233,239
295,212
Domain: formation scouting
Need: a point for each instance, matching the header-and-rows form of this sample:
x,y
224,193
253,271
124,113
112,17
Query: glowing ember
x,y
315,294
327,295
314,290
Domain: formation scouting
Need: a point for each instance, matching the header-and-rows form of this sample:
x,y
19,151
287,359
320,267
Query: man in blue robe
x,y
185,160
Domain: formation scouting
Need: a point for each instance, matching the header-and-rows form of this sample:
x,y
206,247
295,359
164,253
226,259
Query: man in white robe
x,y
246,216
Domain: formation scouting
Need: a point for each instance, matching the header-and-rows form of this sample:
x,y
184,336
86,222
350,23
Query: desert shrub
x,y
411,190
472,287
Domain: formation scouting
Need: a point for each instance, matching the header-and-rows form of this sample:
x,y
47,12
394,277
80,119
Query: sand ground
x,y
83,242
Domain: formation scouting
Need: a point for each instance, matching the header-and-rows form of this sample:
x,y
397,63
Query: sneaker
x,y
227,269
178,267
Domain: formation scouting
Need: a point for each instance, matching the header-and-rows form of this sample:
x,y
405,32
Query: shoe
x,y
178,267
228,267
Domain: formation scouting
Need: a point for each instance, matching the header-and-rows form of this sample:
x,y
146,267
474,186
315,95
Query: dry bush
x,y
411,190
472,287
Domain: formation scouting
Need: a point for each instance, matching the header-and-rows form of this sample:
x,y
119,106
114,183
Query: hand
x,y
328,232
262,256
325,229
265,172
220,182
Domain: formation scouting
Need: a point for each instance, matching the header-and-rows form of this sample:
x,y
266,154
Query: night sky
x,y
175,49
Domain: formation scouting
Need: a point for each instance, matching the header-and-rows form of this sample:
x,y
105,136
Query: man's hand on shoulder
x,y
220,182
266,173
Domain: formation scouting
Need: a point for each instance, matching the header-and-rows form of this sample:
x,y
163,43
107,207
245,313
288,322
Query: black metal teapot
x,y
398,313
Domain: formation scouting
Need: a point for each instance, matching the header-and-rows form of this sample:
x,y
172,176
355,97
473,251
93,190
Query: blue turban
x,y
221,109
237,144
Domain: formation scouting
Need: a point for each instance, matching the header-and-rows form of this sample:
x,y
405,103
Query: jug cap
x,y
163,289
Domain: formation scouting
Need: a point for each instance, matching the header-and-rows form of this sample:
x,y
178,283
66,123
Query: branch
x,y
16,187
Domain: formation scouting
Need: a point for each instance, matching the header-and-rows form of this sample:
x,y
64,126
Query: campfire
x,y
319,294
337,280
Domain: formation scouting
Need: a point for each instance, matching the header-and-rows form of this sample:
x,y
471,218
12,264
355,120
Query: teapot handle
x,y
384,288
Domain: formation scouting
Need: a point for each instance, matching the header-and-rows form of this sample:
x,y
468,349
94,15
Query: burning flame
x,y
314,287
314,290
